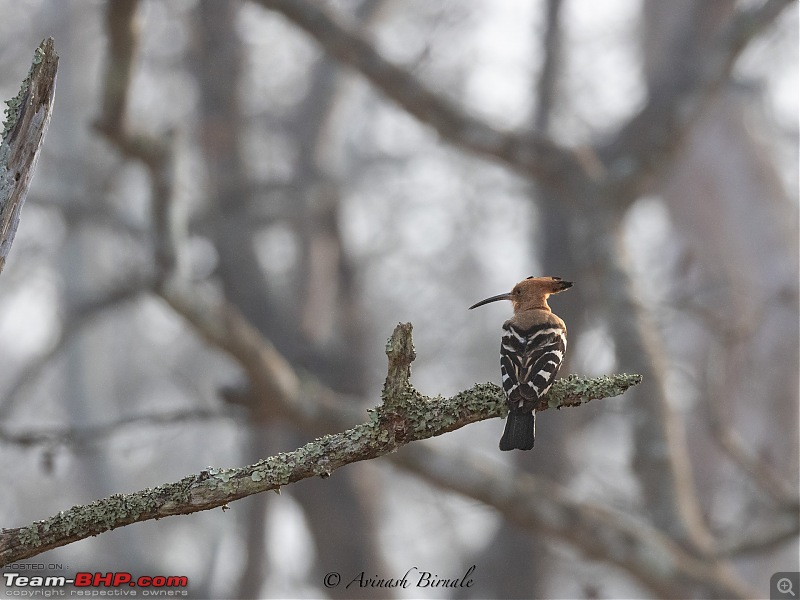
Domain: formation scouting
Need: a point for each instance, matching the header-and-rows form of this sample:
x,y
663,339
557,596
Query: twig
x,y
92,434
398,421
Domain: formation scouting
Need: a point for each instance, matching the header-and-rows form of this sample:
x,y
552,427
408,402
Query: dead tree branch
x,y
405,416
27,119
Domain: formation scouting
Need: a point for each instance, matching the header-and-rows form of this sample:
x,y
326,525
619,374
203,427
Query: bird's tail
x,y
520,430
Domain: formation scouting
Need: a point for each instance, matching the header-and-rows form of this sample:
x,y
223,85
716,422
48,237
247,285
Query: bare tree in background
x,y
268,151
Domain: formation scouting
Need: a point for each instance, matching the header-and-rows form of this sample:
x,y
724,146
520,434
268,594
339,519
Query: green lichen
x,y
12,108
29,536
15,104
222,476
406,415
38,55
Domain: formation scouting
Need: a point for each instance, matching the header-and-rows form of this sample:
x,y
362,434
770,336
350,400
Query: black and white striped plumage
x,y
529,362
531,353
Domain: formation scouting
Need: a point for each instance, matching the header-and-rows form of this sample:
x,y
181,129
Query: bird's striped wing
x,y
530,360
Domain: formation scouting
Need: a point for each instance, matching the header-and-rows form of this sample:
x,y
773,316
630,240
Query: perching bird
x,y
531,353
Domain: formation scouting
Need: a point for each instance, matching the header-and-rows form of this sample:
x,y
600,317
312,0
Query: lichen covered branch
x,y
404,416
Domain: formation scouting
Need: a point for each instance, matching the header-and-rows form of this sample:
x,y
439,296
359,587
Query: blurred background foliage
x,y
328,206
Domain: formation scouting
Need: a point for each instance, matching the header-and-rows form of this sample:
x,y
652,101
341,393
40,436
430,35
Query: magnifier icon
x,y
784,586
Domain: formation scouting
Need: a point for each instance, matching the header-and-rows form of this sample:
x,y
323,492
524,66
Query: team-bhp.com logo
x,y
113,579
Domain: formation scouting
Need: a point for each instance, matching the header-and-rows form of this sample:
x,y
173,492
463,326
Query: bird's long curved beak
x,y
506,296
565,285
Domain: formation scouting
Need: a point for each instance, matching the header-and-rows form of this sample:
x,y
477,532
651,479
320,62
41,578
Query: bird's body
x,y
531,353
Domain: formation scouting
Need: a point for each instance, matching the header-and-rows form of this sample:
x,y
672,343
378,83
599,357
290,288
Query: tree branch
x,y
154,151
535,156
537,504
639,147
72,323
79,436
27,119
647,142
405,416
760,537
759,470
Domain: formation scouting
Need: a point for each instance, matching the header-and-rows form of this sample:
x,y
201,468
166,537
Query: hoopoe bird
x,y
531,352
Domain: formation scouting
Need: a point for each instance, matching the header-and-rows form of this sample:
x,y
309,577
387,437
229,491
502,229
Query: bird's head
x,y
530,293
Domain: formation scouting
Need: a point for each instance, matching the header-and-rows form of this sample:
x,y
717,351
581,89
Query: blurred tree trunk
x,y
738,281
527,557
89,370
316,324
664,462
